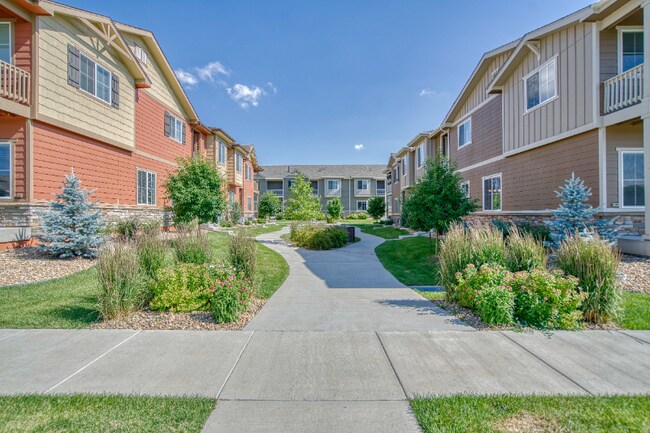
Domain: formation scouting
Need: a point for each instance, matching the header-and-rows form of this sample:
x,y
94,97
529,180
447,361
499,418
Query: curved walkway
x,y
346,289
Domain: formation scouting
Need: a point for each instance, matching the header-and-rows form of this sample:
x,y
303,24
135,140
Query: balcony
x,y
277,192
623,90
381,191
15,84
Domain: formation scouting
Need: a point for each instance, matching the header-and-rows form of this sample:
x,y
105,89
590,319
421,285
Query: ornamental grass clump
x,y
487,245
122,283
314,236
191,245
153,252
524,252
594,262
242,253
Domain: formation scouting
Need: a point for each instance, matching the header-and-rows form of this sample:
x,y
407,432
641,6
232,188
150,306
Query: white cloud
x,y
186,78
245,96
427,92
358,147
272,87
211,71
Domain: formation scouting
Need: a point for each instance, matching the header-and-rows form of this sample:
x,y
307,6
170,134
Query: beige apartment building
x,y
566,98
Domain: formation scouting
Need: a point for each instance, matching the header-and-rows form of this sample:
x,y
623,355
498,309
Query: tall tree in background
x,y
437,200
377,207
302,204
71,226
195,191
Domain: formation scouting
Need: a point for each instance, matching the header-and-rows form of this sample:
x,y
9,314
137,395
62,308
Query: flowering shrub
x,y
547,300
474,279
182,288
230,295
496,305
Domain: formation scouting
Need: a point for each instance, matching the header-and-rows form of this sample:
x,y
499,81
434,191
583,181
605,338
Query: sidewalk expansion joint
x,y
241,353
549,365
638,340
95,360
13,335
383,348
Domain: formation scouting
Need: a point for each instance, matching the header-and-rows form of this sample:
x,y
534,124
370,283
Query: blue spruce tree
x,y
71,227
575,215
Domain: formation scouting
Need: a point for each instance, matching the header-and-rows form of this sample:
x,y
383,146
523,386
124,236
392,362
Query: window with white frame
x,y
464,186
5,171
363,185
238,162
465,133
362,205
248,172
333,184
140,54
146,187
94,78
630,48
420,155
222,152
540,85
176,128
492,192
396,176
404,164
632,178
6,53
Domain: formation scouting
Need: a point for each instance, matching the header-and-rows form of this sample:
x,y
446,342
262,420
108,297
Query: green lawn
x,y
636,311
67,302
257,230
85,413
533,414
432,296
70,302
409,261
382,231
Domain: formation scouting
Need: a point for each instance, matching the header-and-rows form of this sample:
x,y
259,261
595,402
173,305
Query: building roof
x,y
325,171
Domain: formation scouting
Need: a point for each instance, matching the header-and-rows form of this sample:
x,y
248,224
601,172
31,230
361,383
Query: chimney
x,y
288,169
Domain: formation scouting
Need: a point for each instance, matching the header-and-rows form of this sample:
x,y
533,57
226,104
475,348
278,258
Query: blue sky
x,y
328,81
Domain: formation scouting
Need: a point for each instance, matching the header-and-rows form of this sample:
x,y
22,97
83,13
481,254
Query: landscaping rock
x,y
637,273
28,265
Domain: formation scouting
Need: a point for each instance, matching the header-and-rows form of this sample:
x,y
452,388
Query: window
x,y
146,187
249,204
222,152
362,185
289,183
396,177
176,128
362,205
94,79
238,162
444,146
632,188
540,85
333,185
5,170
492,192
465,133
420,154
465,187
396,207
5,42
140,54
630,42
231,196
248,172
404,164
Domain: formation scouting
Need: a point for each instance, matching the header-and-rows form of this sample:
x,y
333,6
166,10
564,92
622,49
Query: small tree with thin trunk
x,y
437,199
270,205
335,208
302,204
377,207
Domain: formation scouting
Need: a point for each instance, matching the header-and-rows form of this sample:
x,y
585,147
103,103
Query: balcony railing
x,y
277,192
15,83
381,191
623,90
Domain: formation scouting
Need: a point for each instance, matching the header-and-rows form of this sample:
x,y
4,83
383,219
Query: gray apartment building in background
x,y
354,185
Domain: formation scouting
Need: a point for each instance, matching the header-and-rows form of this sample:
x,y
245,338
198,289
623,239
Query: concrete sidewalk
x,y
346,289
321,381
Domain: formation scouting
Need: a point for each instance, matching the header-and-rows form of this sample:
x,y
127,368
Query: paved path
x,y
341,347
271,381
346,289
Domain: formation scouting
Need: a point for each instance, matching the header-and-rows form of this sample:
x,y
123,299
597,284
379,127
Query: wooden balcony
x,y
623,90
15,83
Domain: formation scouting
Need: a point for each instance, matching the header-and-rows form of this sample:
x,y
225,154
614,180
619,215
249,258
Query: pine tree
x,y
71,227
575,215
302,204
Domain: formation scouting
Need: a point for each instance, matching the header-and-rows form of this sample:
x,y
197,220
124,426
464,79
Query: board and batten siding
x,y
61,101
573,108
478,94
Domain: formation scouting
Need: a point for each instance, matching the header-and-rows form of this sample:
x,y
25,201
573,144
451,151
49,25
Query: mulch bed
x,y
27,265
198,321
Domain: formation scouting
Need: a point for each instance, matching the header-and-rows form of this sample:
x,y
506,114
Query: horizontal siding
x,y
63,102
572,109
13,129
530,178
486,136
109,171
